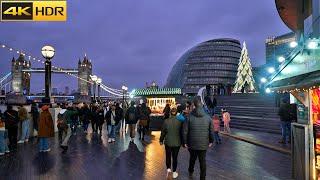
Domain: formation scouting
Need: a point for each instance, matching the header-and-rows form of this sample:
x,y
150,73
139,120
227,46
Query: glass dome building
x,y
214,62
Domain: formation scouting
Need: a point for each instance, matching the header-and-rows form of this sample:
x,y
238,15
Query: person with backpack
x,y
171,137
70,112
11,119
61,125
131,118
24,119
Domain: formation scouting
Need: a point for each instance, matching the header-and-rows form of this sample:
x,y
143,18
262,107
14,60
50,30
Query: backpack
x,y
132,115
61,123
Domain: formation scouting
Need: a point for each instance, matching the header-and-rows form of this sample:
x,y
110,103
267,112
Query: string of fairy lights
x,y
30,57
298,90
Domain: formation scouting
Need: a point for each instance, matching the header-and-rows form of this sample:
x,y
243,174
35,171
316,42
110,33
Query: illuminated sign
x,y
34,10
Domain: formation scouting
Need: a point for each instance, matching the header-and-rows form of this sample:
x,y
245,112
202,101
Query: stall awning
x,y
301,70
156,91
297,82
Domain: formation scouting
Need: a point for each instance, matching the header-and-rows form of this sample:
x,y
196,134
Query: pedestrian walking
x,y
85,112
46,129
35,118
144,115
100,119
285,118
166,111
171,137
93,118
3,138
11,119
70,112
25,124
119,112
131,118
226,120
61,125
112,122
216,129
197,135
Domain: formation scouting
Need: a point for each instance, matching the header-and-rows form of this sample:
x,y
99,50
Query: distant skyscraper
x,y
54,91
278,46
67,90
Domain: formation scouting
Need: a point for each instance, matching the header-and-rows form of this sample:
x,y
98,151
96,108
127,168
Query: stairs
x,y
255,112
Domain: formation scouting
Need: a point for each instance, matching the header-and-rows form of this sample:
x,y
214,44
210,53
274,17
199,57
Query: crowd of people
x,y
186,125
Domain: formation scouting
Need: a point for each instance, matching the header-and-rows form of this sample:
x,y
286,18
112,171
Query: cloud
x,y
132,42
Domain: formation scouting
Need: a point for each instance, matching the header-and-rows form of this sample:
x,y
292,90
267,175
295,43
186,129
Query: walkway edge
x,y
258,143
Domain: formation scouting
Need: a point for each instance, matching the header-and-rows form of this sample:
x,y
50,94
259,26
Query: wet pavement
x,y
91,157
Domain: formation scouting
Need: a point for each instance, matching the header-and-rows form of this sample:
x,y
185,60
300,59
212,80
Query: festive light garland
x,y
298,90
30,57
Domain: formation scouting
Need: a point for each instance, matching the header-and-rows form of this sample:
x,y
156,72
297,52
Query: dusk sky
x,y
133,42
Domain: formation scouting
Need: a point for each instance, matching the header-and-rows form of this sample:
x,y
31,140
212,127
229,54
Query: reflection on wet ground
x,y
92,157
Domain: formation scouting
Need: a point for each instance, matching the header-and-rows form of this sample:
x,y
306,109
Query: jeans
x,y
142,131
201,154
111,131
132,129
25,130
172,152
99,127
85,126
216,136
66,136
286,130
43,144
3,142
94,126
74,125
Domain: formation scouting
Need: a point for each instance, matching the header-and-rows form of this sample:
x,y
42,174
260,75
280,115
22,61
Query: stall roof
x,y
300,70
156,91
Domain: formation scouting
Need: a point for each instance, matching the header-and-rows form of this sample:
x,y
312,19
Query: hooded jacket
x,y
170,133
197,130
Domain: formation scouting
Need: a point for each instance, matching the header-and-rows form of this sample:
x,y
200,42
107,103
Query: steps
x,y
251,112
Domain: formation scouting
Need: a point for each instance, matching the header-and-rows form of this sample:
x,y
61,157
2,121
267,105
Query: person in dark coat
x,y
166,111
131,118
85,113
100,119
112,121
11,119
286,118
171,137
144,117
35,116
120,115
93,116
197,135
46,129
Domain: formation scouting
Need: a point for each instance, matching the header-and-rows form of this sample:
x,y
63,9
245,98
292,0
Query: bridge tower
x,y
20,79
84,72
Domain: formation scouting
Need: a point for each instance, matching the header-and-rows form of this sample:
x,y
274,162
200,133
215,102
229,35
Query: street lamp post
x,y
124,90
94,79
99,81
47,53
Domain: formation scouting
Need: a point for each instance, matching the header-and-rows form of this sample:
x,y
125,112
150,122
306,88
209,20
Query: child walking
x,y
216,129
226,120
3,138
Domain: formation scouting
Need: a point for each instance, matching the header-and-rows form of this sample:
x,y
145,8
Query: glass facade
x,y
212,62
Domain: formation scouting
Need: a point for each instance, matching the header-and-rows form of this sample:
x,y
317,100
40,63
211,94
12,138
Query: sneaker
x,y
7,151
27,140
109,140
113,140
47,150
175,175
21,142
1,154
168,172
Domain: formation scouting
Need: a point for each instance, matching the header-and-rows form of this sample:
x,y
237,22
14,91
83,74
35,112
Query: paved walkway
x,y
91,157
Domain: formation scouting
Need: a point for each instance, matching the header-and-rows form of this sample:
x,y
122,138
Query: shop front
x,y
299,76
157,99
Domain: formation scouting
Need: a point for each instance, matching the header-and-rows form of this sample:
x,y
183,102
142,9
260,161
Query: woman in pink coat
x,y
226,120
216,129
